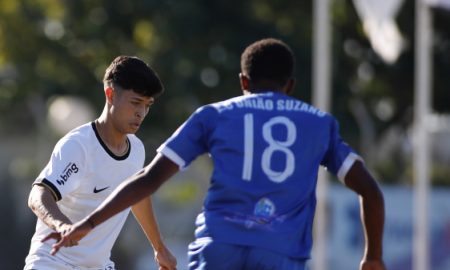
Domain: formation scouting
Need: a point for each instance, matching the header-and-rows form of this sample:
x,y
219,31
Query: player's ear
x,y
245,82
289,87
109,94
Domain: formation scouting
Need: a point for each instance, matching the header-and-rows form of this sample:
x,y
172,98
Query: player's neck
x,y
262,90
269,85
115,140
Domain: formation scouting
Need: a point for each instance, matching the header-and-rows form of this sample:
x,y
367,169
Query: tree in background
x,y
50,48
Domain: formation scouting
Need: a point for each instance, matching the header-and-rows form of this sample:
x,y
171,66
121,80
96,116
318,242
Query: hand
x,y
58,234
372,265
68,235
165,259
57,237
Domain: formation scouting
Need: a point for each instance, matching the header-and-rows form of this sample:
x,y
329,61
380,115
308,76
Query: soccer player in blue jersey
x,y
266,148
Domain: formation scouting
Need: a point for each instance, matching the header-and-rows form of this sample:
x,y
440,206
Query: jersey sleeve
x,y
64,171
339,157
190,140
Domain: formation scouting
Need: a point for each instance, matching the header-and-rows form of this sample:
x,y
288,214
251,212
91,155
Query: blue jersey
x,y
266,150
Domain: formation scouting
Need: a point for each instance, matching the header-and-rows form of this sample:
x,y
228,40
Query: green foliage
x,y
50,47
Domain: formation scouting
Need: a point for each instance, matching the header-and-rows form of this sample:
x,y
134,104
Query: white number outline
x,y
274,146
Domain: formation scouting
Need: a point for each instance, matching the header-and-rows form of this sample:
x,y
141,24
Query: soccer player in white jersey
x,y
87,164
266,149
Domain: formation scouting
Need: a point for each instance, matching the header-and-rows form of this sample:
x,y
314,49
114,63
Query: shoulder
x,y
216,108
208,109
331,120
82,132
205,113
135,141
137,150
310,110
79,137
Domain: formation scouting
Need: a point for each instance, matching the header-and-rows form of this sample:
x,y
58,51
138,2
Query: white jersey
x,y
81,173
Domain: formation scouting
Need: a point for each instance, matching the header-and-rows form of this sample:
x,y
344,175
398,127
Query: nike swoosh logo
x,y
99,190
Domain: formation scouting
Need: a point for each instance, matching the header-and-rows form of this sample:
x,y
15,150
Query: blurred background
x,y
53,54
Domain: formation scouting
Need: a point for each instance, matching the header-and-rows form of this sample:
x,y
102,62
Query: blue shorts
x,y
205,254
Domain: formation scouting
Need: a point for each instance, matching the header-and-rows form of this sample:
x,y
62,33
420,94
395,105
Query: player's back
x,y
266,150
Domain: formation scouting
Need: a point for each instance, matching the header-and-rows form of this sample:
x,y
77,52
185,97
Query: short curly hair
x,y
131,73
268,59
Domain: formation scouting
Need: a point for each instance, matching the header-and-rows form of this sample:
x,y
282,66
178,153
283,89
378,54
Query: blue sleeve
x,y
190,140
339,157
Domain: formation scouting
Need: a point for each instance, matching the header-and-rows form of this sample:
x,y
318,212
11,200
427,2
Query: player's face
x,y
130,109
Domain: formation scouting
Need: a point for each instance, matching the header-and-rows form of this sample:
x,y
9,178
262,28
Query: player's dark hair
x,y
131,73
268,59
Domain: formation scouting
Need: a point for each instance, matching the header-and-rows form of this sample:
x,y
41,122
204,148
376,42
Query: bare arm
x,y
127,194
143,212
136,188
372,214
43,204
